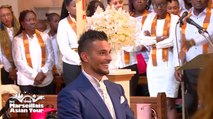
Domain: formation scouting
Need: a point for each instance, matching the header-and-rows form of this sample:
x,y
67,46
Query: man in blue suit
x,y
91,95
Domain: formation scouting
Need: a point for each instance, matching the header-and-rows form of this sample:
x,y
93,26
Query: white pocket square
x,y
122,99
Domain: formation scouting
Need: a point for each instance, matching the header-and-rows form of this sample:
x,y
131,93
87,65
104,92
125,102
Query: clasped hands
x,y
158,38
12,73
39,78
187,44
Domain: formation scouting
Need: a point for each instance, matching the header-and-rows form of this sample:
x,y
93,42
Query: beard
x,y
101,71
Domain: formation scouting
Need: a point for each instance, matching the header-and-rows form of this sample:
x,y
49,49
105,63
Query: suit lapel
x,y
92,95
115,98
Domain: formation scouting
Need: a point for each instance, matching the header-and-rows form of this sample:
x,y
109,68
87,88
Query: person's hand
x,y
12,74
161,38
188,44
178,75
182,56
39,78
147,33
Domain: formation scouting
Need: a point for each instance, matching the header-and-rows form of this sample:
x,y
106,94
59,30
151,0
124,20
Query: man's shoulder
x,y
78,82
68,90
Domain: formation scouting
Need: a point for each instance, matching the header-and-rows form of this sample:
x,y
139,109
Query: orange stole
x,y
72,24
205,26
144,14
165,33
210,4
27,49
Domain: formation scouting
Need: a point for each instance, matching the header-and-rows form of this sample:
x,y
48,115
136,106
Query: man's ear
x,y
84,56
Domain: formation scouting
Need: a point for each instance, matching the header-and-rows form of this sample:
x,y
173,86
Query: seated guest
x,y
33,56
92,95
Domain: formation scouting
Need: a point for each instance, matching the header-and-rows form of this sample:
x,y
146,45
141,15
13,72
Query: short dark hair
x,y
51,15
88,37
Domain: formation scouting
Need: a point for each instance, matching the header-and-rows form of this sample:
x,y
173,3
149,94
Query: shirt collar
x,y
93,80
201,14
73,19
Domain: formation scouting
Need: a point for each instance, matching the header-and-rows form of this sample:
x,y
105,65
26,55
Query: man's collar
x,y
202,13
88,75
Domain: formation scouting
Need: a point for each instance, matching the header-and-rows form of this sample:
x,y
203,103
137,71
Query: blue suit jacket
x,y
80,100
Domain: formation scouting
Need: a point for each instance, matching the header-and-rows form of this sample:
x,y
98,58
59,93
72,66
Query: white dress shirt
x,y
102,91
3,60
10,33
27,74
191,32
67,39
57,54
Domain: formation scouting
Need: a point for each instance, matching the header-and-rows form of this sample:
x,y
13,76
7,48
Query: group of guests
x,y
175,46
34,56
26,53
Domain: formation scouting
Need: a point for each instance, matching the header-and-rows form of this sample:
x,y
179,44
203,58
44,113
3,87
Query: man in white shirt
x,y
91,95
192,45
8,28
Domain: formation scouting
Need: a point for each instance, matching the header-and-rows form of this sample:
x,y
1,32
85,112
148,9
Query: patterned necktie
x,y
106,99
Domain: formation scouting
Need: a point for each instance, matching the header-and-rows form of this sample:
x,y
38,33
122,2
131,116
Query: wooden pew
x,y
157,103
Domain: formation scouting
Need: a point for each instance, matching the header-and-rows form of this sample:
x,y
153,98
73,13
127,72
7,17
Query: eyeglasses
x,y
161,5
142,0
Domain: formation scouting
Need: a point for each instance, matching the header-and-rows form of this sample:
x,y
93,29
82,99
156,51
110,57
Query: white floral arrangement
x,y
119,26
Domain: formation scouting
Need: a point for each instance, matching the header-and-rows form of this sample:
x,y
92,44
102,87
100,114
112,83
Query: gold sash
x,y
27,49
210,4
205,26
165,33
72,24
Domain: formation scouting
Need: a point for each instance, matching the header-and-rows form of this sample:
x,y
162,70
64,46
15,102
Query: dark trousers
x,y
5,77
134,80
49,89
191,98
70,72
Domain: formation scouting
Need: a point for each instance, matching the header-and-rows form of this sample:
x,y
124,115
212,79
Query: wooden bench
x,y
157,103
